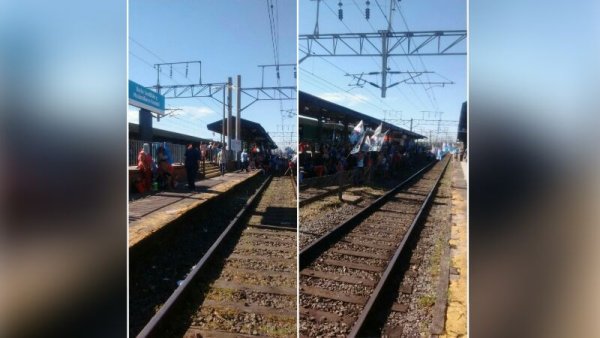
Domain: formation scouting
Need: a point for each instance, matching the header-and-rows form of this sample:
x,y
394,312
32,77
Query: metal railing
x,y
177,151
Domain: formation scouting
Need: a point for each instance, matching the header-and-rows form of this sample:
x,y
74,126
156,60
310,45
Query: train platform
x,y
149,214
456,311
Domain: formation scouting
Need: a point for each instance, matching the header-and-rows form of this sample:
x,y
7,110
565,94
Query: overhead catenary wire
x,y
389,21
397,87
209,102
436,107
176,70
430,93
273,14
338,87
346,72
378,65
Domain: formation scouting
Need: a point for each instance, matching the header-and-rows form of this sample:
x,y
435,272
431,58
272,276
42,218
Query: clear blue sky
x,y
230,37
410,99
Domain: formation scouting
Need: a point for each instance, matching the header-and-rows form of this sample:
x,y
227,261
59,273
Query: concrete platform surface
x,y
465,170
456,311
149,214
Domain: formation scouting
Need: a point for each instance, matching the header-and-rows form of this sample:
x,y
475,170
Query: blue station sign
x,y
142,97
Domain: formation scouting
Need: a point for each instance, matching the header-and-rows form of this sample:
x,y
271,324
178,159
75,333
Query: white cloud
x,y
345,99
190,113
194,112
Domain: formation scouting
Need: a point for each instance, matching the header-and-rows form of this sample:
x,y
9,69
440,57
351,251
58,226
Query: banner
x,y
372,141
377,141
357,132
359,144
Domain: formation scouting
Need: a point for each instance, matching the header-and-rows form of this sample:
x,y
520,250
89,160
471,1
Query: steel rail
x,y
314,249
166,310
361,324
317,197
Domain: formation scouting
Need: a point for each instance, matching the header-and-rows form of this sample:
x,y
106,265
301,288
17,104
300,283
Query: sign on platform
x,y
142,97
236,145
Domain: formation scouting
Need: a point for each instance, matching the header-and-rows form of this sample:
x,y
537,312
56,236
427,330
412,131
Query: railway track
x,y
328,185
313,194
417,305
157,265
245,285
324,210
346,273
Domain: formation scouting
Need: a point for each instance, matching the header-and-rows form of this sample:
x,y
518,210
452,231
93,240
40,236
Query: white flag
x,y
357,132
359,128
377,141
359,144
375,136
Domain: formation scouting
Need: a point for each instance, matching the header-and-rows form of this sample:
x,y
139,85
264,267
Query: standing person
x,y
358,171
339,168
203,157
222,159
318,163
203,151
145,168
252,160
214,153
244,158
266,165
165,169
192,157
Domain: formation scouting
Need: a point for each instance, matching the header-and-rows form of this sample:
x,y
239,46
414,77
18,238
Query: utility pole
x,y
238,120
439,122
316,32
411,121
385,51
223,124
229,108
384,60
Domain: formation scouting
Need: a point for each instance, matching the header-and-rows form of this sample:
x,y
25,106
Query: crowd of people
x,y
327,159
159,175
154,174
260,159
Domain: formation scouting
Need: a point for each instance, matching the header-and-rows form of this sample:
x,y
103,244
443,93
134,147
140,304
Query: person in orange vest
x,y
145,168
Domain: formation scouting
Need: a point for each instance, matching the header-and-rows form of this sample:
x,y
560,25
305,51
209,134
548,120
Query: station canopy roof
x,y
160,135
315,107
250,131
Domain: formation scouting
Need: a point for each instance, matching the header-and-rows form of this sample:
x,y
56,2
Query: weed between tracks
x,y
426,301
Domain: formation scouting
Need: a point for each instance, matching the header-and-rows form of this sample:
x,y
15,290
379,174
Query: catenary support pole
x,y
223,124
229,109
238,120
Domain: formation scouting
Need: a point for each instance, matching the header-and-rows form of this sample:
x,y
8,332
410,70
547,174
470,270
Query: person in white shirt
x,y
222,159
244,158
